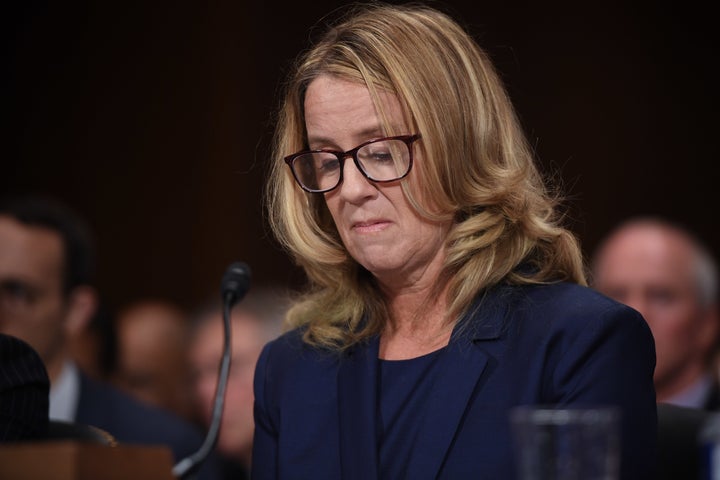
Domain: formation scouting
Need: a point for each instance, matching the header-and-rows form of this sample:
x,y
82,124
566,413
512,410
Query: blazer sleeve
x,y
611,361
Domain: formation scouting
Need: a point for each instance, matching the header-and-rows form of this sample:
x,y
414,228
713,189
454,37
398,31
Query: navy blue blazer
x,y
133,422
561,344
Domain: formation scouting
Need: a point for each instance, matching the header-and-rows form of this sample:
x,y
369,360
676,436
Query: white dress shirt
x,y
695,396
65,393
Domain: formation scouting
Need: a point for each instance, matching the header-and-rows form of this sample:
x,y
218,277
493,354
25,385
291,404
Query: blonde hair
x,y
478,171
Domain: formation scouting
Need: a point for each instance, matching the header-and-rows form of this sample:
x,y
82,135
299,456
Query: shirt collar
x,y
695,395
65,394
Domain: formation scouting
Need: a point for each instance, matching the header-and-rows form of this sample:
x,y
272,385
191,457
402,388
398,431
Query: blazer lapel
x,y
461,366
357,399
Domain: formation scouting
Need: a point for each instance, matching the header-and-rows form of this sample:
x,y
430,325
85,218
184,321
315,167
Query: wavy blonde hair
x,y
478,171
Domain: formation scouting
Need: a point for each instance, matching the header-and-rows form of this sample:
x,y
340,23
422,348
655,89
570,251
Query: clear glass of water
x,y
566,443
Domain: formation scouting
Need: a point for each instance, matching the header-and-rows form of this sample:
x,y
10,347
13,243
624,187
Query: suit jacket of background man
x,y
133,422
24,391
315,411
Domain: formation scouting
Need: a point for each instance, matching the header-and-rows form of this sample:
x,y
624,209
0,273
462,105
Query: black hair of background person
x,y
79,254
24,392
152,119
77,239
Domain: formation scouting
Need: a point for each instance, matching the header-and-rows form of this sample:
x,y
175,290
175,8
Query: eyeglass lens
x,y
382,161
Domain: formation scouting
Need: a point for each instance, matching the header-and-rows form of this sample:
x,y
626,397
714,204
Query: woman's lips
x,y
370,226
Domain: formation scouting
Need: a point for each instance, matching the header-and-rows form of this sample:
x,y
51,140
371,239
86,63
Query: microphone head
x,y
235,282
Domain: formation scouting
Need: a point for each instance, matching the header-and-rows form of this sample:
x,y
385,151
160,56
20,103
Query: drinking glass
x,y
566,443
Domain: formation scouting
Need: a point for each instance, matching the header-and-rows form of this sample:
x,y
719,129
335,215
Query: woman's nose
x,y
355,186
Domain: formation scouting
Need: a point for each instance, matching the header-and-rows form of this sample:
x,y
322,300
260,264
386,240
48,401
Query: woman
x,y
443,289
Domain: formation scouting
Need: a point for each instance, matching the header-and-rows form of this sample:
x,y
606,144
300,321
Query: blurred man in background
x,y
152,355
665,273
254,322
46,283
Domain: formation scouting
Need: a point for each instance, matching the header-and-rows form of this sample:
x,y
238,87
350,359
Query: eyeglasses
x,y
382,160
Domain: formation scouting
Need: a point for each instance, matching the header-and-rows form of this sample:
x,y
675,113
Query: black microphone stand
x,y
235,284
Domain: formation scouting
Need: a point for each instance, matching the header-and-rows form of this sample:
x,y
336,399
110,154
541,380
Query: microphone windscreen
x,y
236,281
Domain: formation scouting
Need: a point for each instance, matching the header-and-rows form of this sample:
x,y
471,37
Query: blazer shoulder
x,y
572,300
289,355
550,308
573,312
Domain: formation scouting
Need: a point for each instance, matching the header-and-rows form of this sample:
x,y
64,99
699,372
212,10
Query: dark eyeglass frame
x,y
341,156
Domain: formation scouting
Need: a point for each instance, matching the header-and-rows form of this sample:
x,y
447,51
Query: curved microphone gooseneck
x,y
235,284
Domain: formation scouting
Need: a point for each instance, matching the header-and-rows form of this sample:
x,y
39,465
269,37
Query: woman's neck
x,y
418,324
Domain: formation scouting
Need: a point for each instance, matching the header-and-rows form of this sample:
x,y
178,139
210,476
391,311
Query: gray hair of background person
x,y
705,267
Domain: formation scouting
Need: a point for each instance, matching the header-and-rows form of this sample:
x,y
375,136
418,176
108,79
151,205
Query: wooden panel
x,y
78,461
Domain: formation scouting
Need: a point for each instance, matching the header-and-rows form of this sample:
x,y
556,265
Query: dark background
x,y
153,120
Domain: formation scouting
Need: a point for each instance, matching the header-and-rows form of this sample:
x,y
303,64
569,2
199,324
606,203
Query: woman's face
x,y
379,228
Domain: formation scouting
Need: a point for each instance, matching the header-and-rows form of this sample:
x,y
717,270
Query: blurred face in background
x,y
653,270
32,305
152,363
236,431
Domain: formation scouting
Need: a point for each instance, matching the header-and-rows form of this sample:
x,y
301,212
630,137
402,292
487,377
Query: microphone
x,y
233,287
235,283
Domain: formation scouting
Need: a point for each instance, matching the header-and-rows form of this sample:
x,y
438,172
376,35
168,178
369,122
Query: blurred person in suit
x,y
24,389
46,274
152,354
254,322
663,271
